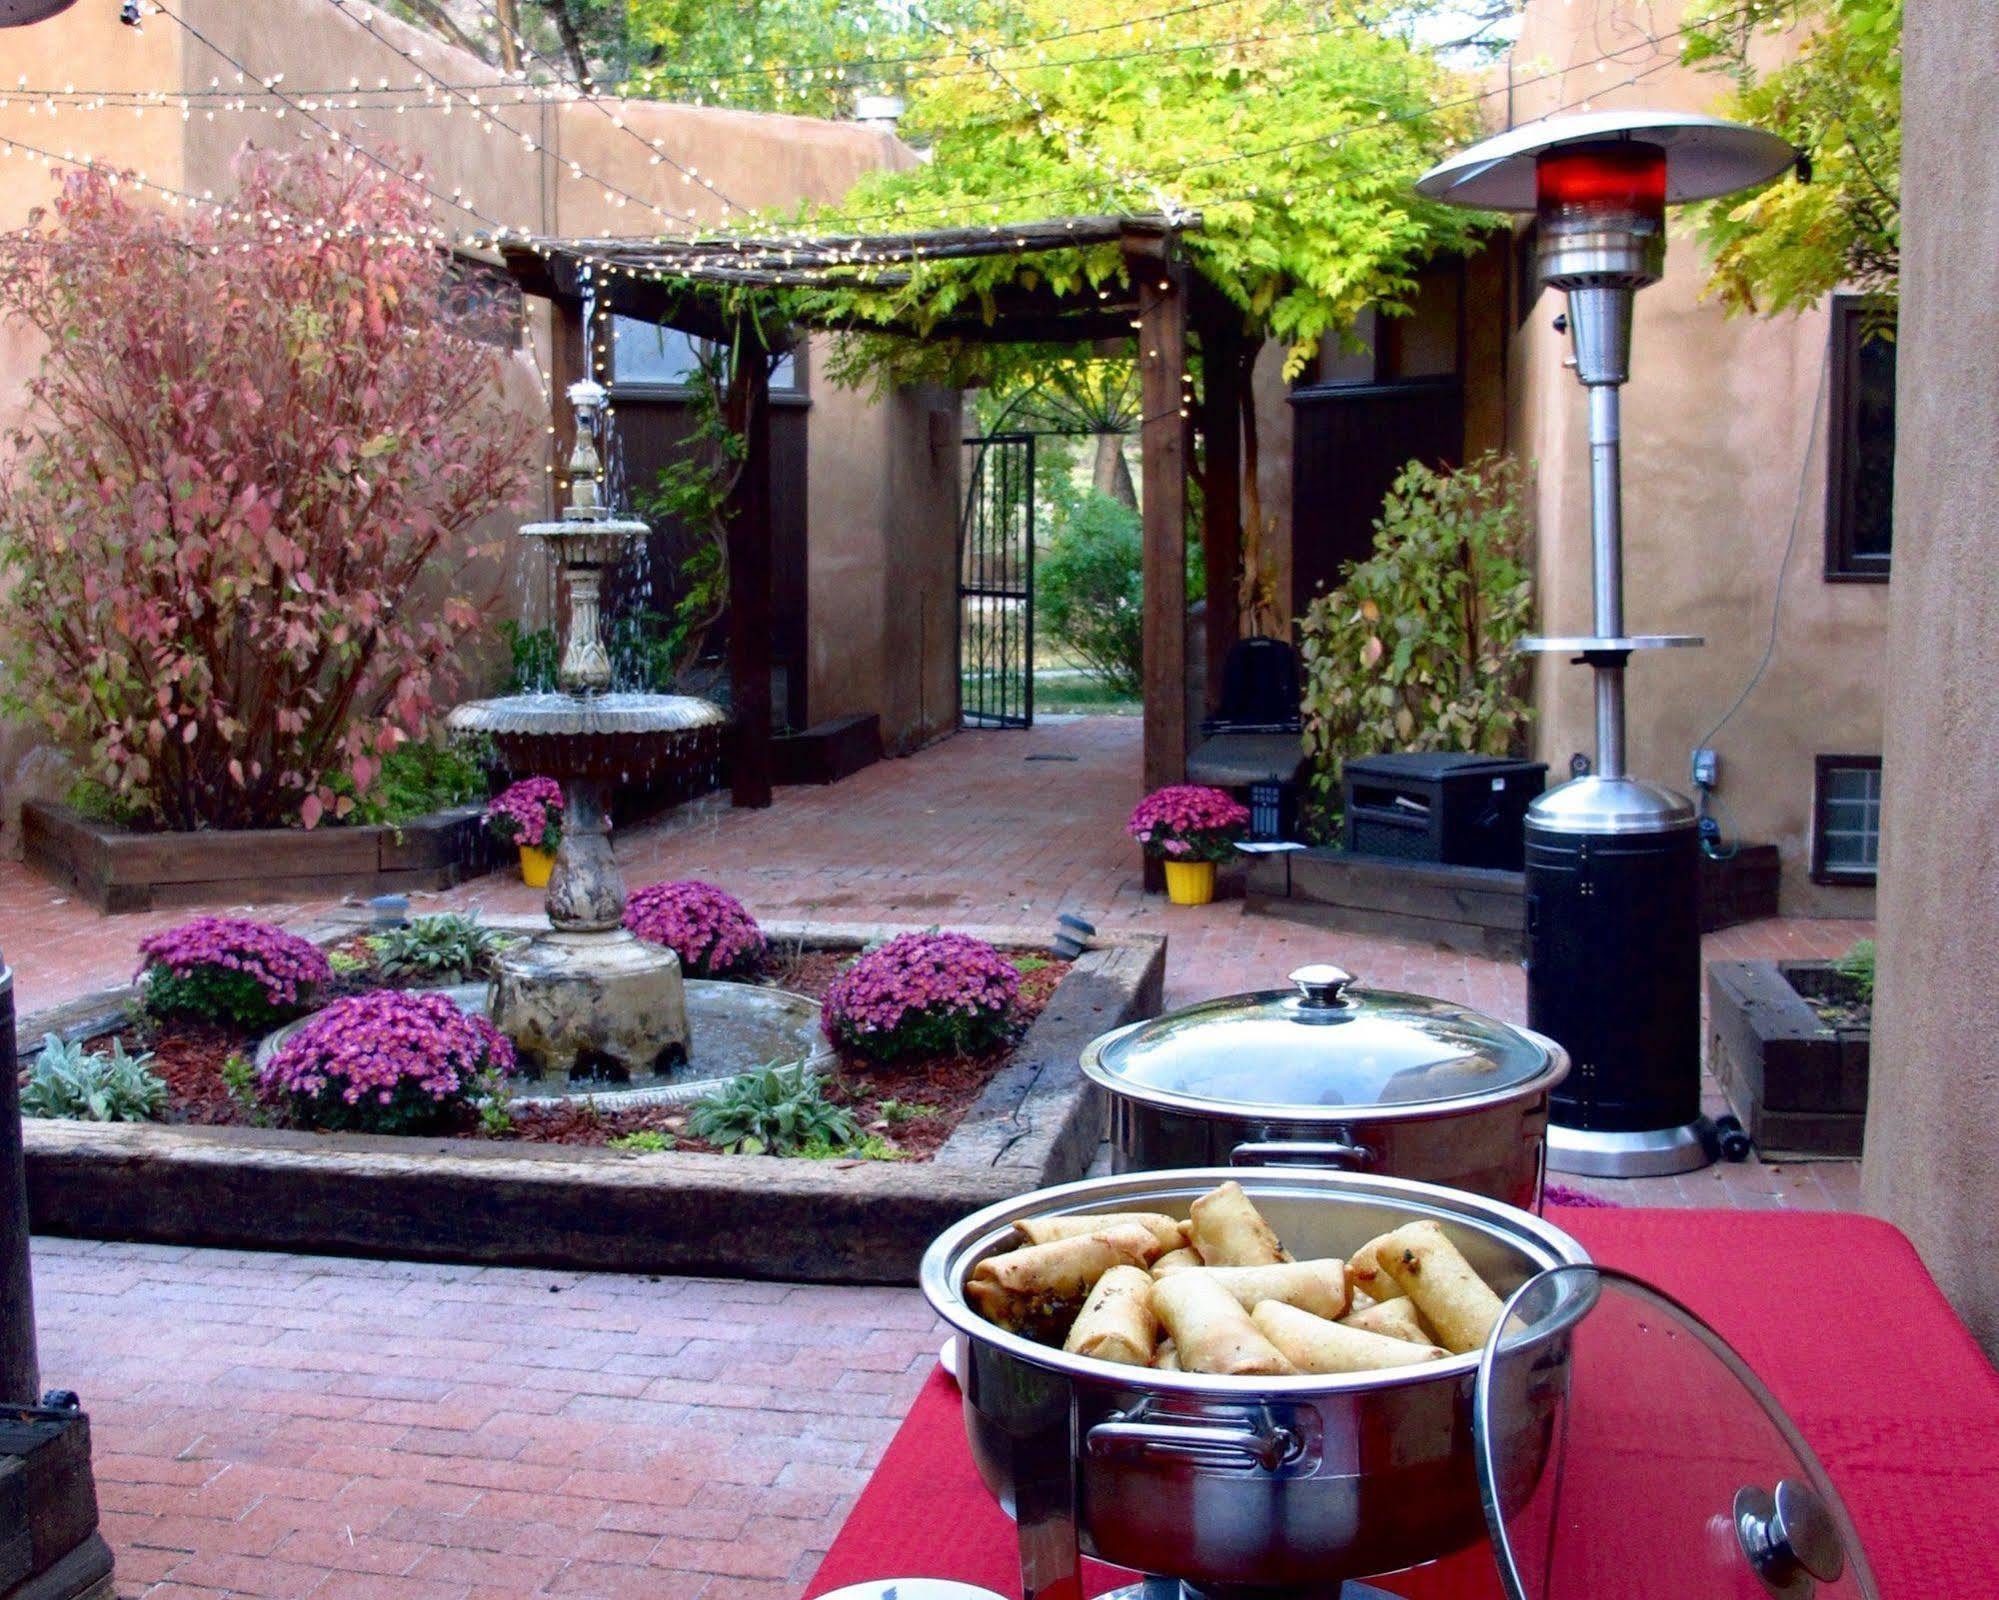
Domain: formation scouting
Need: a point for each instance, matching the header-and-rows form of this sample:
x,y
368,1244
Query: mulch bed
x,y
925,1101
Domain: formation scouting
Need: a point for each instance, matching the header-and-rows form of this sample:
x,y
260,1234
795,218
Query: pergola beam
x,y
694,284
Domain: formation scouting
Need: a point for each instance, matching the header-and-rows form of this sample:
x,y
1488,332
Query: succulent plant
x,y
445,948
772,1111
73,1084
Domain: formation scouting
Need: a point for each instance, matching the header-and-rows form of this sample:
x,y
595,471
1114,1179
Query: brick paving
x,y
277,1425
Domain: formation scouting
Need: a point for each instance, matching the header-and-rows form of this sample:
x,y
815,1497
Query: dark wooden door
x,y
649,433
1348,443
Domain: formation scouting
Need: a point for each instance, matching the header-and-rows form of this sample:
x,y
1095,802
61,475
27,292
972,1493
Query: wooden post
x,y
748,413
569,362
1162,436
1224,375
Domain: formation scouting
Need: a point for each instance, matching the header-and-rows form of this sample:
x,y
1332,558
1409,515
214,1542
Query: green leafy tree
x,y
1090,594
1414,650
1295,130
1838,97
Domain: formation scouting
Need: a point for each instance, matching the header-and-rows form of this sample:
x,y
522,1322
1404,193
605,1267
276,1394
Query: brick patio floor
x,y
282,1425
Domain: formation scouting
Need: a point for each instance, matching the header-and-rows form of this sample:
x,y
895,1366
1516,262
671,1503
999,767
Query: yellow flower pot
x,y
1190,883
536,865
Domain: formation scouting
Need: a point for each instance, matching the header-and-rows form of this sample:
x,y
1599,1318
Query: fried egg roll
x,y
1176,1261
1453,1298
1312,1344
1319,1287
1046,1230
1364,1274
1025,1289
1167,1357
1395,1319
1210,1329
1230,1232
1116,1322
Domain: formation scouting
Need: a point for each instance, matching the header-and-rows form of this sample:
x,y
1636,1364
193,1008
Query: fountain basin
x,y
614,737
737,1028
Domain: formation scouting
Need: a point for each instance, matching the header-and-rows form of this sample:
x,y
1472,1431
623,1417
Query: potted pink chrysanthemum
x,y
528,815
1189,827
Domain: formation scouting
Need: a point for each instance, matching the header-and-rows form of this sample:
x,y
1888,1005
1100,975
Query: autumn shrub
x,y
1415,649
234,527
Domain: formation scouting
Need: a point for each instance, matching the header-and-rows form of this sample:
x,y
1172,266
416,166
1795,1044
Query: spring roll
x,y
1046,1230
1166,1358
1026,1289
1211,1331
1312,1344
1365,1277
1231,1232
1453,1299
1319,1287
1176,1261
1116,1322
1395,1319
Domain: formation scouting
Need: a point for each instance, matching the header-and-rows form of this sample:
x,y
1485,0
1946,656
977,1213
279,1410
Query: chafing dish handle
x,y
1269,1448
1303,1153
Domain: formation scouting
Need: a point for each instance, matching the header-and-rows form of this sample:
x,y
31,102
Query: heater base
x,y
1652,1153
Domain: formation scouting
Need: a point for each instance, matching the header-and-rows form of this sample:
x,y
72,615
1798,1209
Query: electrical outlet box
x,y
1706,768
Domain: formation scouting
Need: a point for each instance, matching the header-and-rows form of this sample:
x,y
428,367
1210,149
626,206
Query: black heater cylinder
x,y
1614,972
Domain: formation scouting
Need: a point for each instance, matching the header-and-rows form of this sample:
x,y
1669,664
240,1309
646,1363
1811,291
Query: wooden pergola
x,y
697,284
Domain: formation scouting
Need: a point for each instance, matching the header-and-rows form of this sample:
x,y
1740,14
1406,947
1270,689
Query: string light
x,y
615,193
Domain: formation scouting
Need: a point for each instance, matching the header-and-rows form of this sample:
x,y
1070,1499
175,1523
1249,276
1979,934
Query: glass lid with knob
x,y
1323,1047
1625,1449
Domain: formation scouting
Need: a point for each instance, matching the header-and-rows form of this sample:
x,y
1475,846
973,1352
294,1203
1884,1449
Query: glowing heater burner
x,y
1613,923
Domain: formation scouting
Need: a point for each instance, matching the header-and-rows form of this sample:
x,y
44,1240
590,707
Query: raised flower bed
x,y
568,1185
125,869
1789,1042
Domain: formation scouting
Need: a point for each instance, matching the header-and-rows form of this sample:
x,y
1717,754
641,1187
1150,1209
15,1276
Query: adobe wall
x,y
1932,1164
854,521
1720,453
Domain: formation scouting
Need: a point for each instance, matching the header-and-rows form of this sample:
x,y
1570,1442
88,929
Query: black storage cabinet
x,y
1453,809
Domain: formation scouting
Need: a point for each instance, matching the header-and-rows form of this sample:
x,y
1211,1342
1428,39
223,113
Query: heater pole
x,y
1607,547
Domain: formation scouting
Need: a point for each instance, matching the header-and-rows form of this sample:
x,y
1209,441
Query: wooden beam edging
x,y
1038,1124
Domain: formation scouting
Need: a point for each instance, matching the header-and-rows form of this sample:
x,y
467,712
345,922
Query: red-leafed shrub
x,y
232,533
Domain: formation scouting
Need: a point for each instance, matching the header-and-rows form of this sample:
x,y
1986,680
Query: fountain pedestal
x,y
588,1000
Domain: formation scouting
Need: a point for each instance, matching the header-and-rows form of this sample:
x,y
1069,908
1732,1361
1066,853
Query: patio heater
x,y
1613,911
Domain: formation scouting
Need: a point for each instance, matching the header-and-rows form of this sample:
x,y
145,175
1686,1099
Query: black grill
x,y
1453,809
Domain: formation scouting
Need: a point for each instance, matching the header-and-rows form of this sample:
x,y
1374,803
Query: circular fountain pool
x,y
734,1028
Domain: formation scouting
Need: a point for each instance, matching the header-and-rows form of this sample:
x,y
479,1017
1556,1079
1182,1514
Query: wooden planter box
x,y
118,869
1796,1081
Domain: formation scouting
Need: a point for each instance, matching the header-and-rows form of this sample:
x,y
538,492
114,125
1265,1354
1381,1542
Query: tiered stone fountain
x,y
588,1001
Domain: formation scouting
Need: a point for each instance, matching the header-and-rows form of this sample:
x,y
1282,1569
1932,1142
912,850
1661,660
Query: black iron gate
x,y
996,583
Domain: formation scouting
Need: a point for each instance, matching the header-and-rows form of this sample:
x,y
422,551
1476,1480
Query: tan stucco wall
x,y
1932,1161
1717,437
886,491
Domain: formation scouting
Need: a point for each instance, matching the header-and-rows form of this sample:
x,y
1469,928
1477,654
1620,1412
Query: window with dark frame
x,y
1860,468
1846,820
645,356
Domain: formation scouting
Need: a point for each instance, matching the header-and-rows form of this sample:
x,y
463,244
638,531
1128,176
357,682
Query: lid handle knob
x,y
1321,984
1789,1538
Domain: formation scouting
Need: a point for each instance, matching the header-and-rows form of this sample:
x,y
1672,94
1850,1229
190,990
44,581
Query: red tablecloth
x,y
1835,1312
